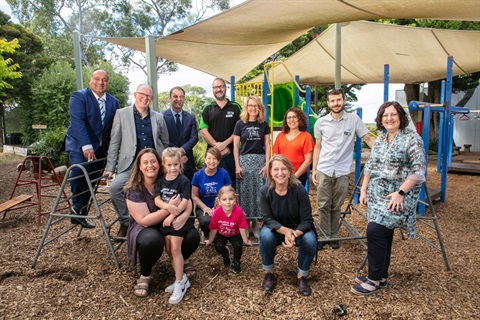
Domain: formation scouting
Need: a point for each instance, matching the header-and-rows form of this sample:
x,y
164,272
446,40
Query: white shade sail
x,y
235,41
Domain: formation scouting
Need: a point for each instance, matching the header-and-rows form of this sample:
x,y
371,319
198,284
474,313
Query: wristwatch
x,y
401,192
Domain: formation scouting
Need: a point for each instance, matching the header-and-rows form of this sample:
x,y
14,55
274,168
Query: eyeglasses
x,y
218,87
391,115
253,106
292,118
145,96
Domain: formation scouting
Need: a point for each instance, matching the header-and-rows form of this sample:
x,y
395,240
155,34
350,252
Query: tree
x,y
52,90
17,99
7,67
56,20
7,72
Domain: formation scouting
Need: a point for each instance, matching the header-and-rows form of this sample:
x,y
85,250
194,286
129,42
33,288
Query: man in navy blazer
x,y
91,116
134,128
185,134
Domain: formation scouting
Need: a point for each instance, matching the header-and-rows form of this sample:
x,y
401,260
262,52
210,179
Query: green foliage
x,y
118,84
52,90
199,154
7,67
50,144
51,94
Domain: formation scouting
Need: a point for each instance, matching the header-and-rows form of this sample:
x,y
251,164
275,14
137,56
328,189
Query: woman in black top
x,y
287,220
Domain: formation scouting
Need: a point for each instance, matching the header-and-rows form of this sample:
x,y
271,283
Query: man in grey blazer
x,y
134,128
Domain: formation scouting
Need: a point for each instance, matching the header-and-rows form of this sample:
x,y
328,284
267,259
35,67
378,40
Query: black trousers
x,y
379,240
220,243
150,244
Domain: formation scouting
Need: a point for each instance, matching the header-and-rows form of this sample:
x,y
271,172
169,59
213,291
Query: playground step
x,y
13,202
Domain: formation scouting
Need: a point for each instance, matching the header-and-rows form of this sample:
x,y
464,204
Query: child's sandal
x,y
142,287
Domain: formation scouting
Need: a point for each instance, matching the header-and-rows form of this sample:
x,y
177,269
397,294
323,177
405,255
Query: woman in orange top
x,y
295,143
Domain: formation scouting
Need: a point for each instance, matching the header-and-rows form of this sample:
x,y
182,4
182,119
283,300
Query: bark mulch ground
x,y
76,278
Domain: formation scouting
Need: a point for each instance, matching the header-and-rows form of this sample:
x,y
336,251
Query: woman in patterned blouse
x,y
393,177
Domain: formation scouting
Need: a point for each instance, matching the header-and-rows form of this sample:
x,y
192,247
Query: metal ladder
x,y
56,217
429,219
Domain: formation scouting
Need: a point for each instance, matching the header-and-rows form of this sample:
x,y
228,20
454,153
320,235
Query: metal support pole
x,y
338,55
358,157
152,69
232,88
386,81
77,54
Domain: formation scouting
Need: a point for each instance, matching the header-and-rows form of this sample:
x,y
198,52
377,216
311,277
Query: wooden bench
x,y
13,202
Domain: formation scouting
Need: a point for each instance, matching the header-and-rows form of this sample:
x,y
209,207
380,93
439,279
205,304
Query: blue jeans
x,y
307,249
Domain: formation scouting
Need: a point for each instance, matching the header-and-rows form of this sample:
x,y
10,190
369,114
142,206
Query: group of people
x,y
156,189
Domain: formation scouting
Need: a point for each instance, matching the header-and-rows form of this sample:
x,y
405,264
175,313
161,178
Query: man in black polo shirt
x,y
217,123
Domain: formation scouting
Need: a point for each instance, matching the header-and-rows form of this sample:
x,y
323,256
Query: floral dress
x,y
389,165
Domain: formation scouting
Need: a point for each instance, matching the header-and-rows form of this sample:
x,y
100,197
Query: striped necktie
x,y
101,105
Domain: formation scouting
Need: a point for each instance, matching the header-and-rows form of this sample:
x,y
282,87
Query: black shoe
x,y
121,234
320,245
226,259
83,222
237,268
268,283
335,245
303,287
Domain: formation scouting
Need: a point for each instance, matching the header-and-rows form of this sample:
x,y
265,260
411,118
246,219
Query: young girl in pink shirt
x,y
228,224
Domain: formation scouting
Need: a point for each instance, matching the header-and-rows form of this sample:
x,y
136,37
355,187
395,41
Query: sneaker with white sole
x,y
179,289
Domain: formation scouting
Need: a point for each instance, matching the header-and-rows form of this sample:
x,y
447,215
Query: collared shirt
x,y
336,153
104,97
143,130
179,113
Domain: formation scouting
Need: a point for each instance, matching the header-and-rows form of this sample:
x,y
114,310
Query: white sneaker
x,y
179,290
169,289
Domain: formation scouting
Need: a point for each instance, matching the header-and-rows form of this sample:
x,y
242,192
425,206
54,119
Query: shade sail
x,y
235,41
413,54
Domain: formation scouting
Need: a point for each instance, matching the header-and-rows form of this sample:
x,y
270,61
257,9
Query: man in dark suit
x,y
182,129
91,116
134,128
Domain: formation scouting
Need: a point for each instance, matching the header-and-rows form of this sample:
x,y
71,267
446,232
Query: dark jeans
x,y
220,243
379,240
150,244
228,163
77,186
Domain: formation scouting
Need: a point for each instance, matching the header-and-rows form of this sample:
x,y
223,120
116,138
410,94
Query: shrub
x,y
199,154
50,144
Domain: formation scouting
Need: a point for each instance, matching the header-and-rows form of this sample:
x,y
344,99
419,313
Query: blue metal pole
x,y
440,129
386,81
448,137
307,113
358,158
266,90
297,92
232,88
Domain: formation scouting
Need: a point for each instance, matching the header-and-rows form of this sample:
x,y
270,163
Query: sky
x,y
369,98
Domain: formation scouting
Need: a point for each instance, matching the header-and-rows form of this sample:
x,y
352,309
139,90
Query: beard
x,y
220,96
